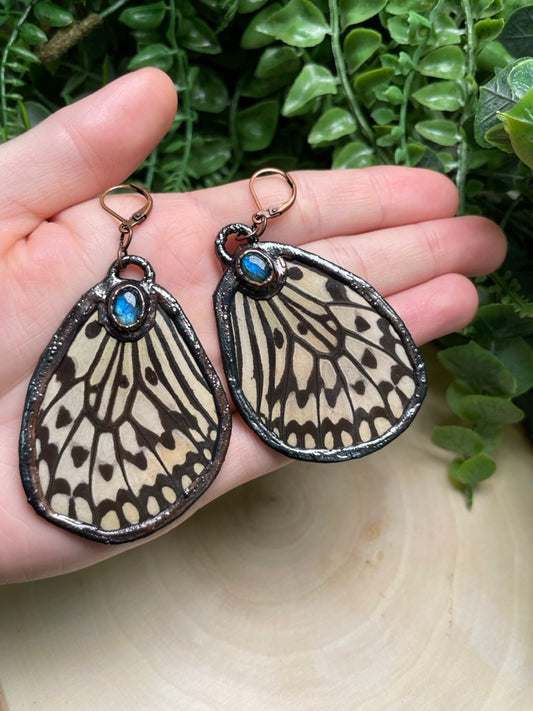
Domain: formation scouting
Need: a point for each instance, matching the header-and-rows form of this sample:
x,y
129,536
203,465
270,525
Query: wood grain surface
x,y
363,586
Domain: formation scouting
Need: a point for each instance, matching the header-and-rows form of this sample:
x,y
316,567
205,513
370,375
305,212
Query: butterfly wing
x,y
120,437
321,367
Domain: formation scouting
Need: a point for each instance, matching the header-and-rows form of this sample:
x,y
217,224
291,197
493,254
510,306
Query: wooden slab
x,y
363,586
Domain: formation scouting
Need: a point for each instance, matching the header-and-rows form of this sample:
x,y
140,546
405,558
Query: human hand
x,y
392,226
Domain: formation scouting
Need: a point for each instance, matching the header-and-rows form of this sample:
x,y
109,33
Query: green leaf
x,y
256,88
314,80
392,95
246,6
491,434
518,123
457,439
355,11
440,131
517,355
355,154
51,14
300,24
35,112
404,7
444,63
496,322
143,17
278,60
517,35
520,77
492,58
196,35
383,115
256,125
441,96
332,125
208,92
479,369
253,37
500,94
155,55
473,470
418,153
31,34
412,28
368,84
486,8
491,409
359,45
455,393
208,156
24,54
487,30
445,30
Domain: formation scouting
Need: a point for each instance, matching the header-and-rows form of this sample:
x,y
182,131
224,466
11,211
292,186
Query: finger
x,y
330,203
396,259
437,307
83,149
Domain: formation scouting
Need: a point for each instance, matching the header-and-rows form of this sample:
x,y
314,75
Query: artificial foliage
x,y
444,84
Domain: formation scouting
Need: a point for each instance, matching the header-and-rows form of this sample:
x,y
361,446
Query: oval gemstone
x,y
255,267
128,307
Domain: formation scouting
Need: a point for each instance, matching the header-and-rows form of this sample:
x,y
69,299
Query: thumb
x,y
82,149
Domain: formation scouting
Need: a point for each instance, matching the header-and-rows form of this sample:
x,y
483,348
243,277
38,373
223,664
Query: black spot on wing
x,y
79,454
360,387
369,360
336,290
106,470
64,417
66,372
361,324
93,329
150,375
295,273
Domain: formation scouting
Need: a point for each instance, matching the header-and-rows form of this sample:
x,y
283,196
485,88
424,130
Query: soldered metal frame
x,y
97,298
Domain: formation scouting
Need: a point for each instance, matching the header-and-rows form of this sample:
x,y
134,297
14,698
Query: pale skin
x,y
393,226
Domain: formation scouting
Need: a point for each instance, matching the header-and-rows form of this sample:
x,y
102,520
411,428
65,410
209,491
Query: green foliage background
x,y
444,84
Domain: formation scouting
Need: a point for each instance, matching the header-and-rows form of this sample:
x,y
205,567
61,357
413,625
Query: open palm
x,y
392,226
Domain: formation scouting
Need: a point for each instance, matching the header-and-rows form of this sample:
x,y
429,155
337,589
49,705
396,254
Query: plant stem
x,y
343,74
462,158
151,163
524,307
110,10
10,42
185,98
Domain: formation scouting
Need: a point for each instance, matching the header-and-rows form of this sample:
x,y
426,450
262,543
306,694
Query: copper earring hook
x,y
127,224
261,217
139,216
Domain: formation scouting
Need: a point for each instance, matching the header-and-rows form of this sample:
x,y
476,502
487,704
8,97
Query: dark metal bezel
x,y
257,289
223,299
111,301
92,300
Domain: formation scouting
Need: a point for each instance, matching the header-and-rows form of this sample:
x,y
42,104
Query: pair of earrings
x,y
126,422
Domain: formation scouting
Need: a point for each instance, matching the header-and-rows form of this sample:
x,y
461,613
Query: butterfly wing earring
x,y
318,363
126,423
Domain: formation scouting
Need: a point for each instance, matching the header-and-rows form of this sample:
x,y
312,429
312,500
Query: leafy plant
x,y
444,84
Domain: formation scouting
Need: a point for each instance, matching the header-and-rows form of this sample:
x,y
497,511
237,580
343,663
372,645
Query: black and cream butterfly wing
x,y
322,369
120,437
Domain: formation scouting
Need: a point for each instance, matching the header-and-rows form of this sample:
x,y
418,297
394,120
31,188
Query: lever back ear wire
x,y
126,423
261,217
127,224
318,363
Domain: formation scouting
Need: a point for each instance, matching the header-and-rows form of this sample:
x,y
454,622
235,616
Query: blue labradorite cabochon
x,y
255,267
128,306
